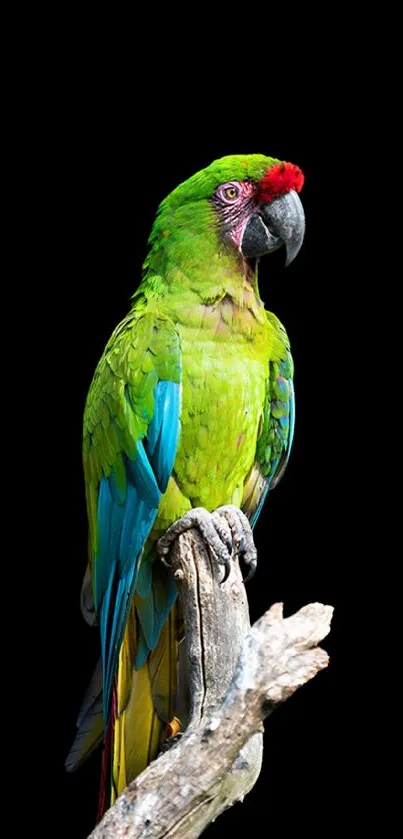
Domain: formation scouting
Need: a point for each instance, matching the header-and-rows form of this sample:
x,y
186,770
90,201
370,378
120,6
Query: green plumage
x,y
197,320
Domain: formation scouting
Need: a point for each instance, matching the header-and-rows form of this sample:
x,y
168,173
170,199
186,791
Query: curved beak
x,y
281,222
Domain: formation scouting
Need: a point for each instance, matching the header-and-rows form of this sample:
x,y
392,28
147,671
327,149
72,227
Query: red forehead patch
x,y
280,179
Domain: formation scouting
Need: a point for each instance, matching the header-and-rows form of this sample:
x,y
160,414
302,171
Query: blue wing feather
x,y
118,493
122,606
286,423
154,430
139,519
165,447
143,580
152,616
102,560
143,477
288,430
124,524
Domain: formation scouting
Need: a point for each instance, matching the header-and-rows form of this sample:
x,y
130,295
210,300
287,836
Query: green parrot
x,y
191,410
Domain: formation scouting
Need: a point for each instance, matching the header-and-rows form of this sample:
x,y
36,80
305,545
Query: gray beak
x,y
281,222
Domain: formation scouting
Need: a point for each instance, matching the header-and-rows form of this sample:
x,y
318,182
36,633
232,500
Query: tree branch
x,y
235,683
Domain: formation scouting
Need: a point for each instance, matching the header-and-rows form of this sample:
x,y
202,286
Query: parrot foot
x,y
242,536
214,530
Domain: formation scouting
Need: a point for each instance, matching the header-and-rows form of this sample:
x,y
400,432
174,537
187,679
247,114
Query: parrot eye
x,y
228,193
231,192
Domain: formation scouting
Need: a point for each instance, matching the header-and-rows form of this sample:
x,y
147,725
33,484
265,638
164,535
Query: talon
x,y
227,569
215,532
242,536
165,561
252,569
229,545
224,531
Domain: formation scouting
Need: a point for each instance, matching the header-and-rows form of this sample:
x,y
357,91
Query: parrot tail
x,y
90,723
144,707
104,787
146,702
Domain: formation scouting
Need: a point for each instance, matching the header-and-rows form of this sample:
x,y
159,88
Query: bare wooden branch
x,y
235,683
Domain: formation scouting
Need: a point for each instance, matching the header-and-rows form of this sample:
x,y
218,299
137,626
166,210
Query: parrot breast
x,y
225,369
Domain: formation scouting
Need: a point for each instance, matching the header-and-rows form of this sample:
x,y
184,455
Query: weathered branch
x,y
235,683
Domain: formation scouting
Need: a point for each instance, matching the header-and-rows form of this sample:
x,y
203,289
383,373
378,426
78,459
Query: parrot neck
x,y
189,269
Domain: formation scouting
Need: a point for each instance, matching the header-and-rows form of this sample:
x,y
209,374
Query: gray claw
x,y
242,536
215,532
226,531
227,570
165,561
252,569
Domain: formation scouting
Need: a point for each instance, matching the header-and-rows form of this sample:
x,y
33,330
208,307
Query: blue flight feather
x,y
154,429
292,415
142,649
163,595
139,519
117,514
123,600
102,560
124,524
105,612
118,495
143,478
290,437
279,465
144,579
164,454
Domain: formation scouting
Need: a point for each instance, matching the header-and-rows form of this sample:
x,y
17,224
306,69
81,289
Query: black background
x,y
110,156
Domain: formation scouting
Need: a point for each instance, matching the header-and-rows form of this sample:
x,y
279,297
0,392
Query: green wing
x,y
277,429
131,432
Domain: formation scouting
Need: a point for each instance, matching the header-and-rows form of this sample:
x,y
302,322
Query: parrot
x,y
190,413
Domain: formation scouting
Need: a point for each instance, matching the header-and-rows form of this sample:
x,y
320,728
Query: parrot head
x,y
261,216
251,200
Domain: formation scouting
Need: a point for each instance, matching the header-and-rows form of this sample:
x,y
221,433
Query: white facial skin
x,y
235,202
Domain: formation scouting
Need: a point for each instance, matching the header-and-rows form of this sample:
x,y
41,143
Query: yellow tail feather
x,y
146,702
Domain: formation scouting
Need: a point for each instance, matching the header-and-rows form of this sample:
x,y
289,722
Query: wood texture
x,y
237,677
